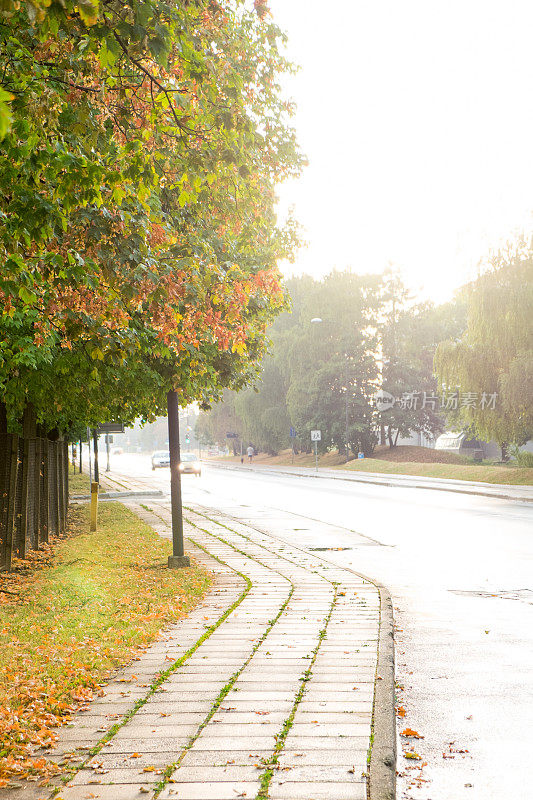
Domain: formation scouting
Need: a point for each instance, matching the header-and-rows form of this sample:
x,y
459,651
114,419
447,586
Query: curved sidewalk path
x,y
266,690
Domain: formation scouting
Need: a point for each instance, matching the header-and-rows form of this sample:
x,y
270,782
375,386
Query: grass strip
x,y
70,616
483,473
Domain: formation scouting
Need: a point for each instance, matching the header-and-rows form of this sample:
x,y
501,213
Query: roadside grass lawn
x,y
71,615
486,473
78,482
404,460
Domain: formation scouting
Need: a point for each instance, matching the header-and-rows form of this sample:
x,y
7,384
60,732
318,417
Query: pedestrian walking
x,y
250,452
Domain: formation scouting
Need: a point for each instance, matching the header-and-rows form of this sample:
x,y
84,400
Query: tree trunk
x,y
505,451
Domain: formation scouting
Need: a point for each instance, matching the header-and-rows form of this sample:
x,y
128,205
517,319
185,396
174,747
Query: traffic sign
x,y
292,433
316,436
110,427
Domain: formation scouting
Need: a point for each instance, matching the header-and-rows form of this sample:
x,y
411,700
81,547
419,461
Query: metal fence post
x,y
44,533
66,480
22,543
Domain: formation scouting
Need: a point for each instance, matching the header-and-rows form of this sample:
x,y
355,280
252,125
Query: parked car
x,y
190,463
161,458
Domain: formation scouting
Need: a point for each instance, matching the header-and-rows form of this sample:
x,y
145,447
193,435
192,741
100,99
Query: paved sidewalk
x,y
269,691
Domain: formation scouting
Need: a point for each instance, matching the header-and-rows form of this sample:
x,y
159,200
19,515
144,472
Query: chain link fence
x,y
33,494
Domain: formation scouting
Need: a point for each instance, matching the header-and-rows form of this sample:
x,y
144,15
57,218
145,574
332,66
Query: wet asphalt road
x,y
460,571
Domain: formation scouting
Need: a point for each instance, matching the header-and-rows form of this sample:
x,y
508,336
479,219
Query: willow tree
x,y
491,366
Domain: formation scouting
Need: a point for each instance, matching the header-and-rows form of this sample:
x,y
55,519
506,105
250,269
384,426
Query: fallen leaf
x,y
410,732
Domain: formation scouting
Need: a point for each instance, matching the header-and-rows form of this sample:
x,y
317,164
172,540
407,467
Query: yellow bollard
x,y
94,505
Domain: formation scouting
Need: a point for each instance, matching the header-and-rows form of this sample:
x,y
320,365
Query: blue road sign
x,y
292,433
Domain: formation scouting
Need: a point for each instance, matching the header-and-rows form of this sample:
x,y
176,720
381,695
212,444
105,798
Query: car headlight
x,y
181,467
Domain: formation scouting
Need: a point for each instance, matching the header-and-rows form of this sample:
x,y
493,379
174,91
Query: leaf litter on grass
x,y
73,613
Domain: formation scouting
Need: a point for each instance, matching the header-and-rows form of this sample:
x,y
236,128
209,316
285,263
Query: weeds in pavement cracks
x,y
316,572
281,738
224,691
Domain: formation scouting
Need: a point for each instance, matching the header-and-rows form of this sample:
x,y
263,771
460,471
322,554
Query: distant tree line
x,y
466,364
345,337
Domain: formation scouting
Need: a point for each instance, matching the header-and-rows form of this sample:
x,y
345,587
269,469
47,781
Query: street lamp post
x,y
178,558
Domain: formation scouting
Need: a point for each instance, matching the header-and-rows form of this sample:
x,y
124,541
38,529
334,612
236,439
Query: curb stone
x,y
382,776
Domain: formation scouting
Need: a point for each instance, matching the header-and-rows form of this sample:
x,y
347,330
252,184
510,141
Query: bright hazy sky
x,y
417,119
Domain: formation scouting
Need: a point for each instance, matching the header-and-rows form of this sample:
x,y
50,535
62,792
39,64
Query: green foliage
x,y
523,458
138,240
409,335
323,375
495,355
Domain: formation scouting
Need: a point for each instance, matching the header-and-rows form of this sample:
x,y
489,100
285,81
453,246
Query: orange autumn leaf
x,y
412,733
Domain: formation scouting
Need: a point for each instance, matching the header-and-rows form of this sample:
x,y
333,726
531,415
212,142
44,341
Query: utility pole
x,y
89,454
108,466
178,558
346,443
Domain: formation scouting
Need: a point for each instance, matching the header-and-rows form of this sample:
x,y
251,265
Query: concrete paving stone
x,y
184,683
247,757
317,791
244,717
210,791
354,705
228,773
181,706
330,729
168,698
226,729
255,696
325,716
78,736
322,773
253,743
147,745
91,721
151,721
125,792
134,730
243,685
364,690
126,761
88,777
238,704
326,742
311,759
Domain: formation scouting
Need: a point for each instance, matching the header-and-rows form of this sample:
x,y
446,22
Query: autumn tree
x,y
138,237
